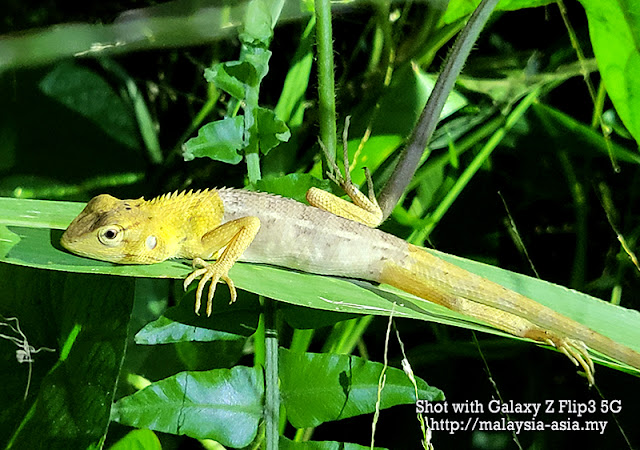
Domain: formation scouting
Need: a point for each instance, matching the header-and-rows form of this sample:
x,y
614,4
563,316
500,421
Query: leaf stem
x,y
411,156
326,92
419,236
272,390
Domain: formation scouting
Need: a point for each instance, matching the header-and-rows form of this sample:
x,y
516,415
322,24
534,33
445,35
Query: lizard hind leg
x,y
364,209
576,351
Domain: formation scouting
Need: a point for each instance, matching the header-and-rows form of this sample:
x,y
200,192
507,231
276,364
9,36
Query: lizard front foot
x,y
576,351
209,271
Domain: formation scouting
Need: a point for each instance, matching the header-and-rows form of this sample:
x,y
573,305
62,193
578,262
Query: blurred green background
x,y
101,97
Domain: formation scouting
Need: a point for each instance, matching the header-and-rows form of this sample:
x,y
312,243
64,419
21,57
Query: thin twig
x,y
25,351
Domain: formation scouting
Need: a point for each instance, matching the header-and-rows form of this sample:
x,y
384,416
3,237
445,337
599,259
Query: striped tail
x,y
433,279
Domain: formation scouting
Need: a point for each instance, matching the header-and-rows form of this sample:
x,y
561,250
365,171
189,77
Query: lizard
x,y
330,236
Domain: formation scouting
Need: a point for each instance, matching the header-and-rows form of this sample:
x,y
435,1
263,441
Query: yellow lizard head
x,y
112,230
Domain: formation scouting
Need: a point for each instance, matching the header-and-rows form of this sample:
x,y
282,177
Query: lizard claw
x,y
576,351
210,272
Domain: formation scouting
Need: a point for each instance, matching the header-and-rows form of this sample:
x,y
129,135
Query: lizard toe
x,y
232,288
212,290
577,352
201,285
210,272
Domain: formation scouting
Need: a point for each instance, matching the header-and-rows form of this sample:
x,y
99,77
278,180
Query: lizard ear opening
x,y
151,242
110,235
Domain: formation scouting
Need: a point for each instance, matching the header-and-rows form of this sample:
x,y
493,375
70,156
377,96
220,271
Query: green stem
x,y
419,236
349,343
326,93
253,167
259,344
272,391
410,159
596,118
578,194
301,340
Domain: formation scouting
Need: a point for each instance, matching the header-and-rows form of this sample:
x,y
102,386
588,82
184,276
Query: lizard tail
x,y
433,279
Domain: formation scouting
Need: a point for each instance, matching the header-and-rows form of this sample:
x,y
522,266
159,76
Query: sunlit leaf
x,y
220,404
614,27
271,130
343,386
286,444
458,9
138,440
220,140
39,247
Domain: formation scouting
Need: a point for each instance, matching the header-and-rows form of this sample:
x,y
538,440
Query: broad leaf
x,y
578,137
614,27
402,104
138,440
271,130
286,444
167,331
293,185
220,404
84,319
343,386
90,95
220,140
39,247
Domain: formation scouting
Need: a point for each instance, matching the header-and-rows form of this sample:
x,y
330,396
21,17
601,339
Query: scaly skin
x,y
264,228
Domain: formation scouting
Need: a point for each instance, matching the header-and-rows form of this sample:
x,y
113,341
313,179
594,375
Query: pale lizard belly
x,y
302,237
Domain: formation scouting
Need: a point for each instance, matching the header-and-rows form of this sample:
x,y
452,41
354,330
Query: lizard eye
x,y
110,235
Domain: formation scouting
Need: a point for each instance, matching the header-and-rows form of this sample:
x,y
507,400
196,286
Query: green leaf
x,y
258,58
84,91
286,444
219,140
270,130
403,102
84,319
510,85
579,137
236,77
228,321
290,107
231,77
221,404
614,27
39,247
258,23
242,80
293,185
160,26
138,440
38,213
343,386
457,9
166,331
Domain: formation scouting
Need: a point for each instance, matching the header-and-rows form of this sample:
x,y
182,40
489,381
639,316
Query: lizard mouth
x,y
66,241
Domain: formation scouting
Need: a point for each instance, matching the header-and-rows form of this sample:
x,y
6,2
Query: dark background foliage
x,y
69,130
